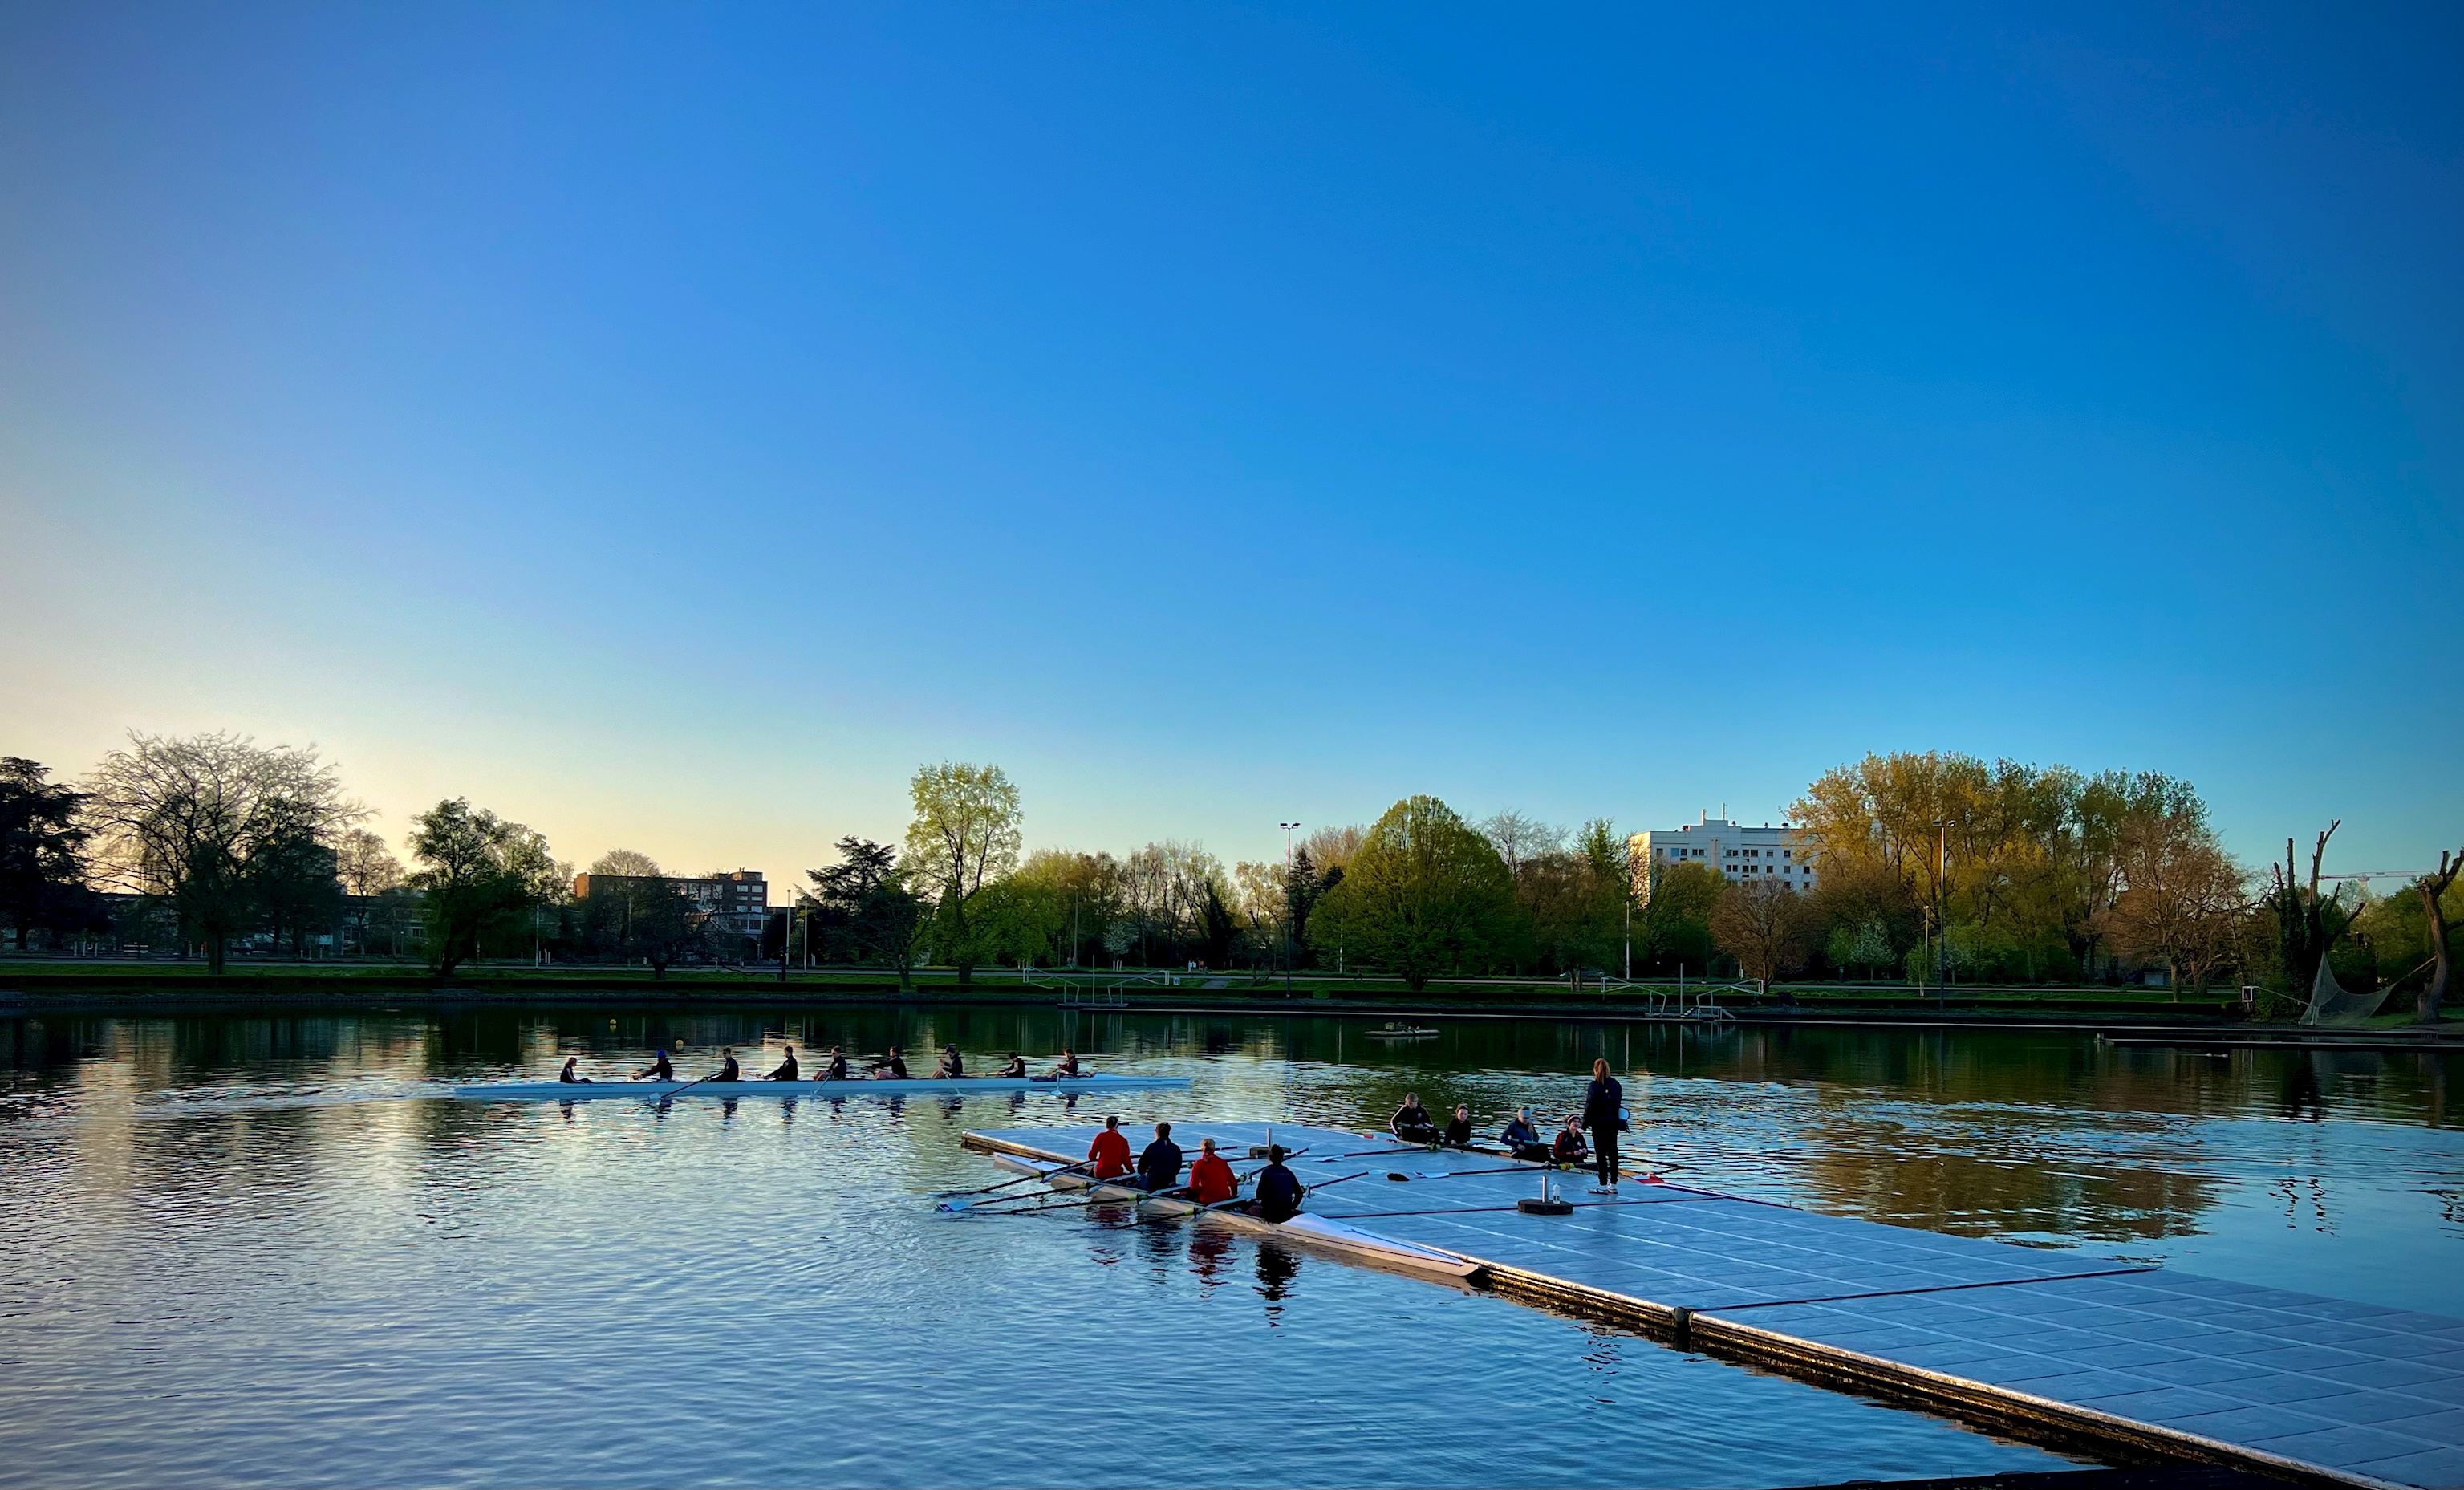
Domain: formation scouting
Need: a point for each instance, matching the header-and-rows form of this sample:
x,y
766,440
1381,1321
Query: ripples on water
x,y
256,1250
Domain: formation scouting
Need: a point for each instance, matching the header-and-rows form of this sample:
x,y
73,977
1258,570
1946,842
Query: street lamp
x,y
1292,903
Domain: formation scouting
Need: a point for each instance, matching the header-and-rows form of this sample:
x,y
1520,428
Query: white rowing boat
x,y
1320,1233
854,1086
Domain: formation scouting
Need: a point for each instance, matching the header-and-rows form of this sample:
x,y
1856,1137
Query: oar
x,y
1048,1174
685,1088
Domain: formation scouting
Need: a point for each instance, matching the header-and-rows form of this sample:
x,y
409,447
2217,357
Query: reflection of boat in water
x,y
1318,1233
1394,1029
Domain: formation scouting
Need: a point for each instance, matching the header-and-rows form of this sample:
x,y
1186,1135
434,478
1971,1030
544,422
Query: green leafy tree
x,y
294,880
477,870
42,867
1673,924
964,836
1426,894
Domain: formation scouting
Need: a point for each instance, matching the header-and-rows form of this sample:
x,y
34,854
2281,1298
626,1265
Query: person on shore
x,y
1015,1069
837,1069
1458,1133
1522,1139
571,1077
951,1067
1211,1181
1109,1154
1278,1191
659,1071
1159,1166
1604,1113
1412,1122
786,1071
1570,1150
727,1070
892,1067
1067,1067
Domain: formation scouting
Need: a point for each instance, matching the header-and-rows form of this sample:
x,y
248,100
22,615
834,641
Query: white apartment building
x,y
1737,850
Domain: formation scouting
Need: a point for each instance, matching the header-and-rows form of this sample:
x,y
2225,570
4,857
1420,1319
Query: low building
x,y
738,901
1739,852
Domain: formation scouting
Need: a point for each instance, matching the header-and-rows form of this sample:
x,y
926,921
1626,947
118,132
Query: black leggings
x,y
1604,1150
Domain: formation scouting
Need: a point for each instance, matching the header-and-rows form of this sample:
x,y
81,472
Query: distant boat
x,y
1395,1030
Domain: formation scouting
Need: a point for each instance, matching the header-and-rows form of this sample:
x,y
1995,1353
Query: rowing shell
x,y
1317,1231
585,1091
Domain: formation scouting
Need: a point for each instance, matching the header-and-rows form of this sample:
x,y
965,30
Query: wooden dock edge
x,y
2061,1426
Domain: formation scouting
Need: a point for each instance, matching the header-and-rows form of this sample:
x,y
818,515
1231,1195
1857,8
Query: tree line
x,y
1929,868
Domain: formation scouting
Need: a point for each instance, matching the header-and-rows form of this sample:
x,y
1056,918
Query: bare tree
x,y
626,864
2432,890
2181,901
184,819
1519,840
1768,928
368,869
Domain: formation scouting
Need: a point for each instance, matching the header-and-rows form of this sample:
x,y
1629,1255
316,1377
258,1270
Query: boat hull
x,y
652,1091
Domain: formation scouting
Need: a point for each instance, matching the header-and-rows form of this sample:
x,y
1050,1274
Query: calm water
x,y
235,1250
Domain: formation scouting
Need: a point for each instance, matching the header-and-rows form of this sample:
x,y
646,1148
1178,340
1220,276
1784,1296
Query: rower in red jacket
x,y
1109,1152
1210,1178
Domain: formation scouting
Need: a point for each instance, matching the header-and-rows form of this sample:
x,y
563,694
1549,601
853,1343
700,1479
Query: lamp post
x,y
1292,903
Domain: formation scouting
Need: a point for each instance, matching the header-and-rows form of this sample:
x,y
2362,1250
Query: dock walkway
x,y
2152,1359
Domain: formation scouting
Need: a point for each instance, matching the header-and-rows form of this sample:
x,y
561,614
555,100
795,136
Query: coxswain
x,y
1109,1152
1569,1150
1279,1190
1604,1113
891,1068
1412,1122
659,1069
727,1071
1458,1133
1522,1138
786,1071
951,1066
1210,1179
836,1070
570,1077
1159,1166
1067,1067
1016,1070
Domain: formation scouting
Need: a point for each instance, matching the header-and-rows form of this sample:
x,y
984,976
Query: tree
x,y
865,909
1519,840
42,867
662,923
2432,890
295,883
183,820
1427,894
478,869
1768,928
2181,900
2307,923
366,868
626,864
964,835
1673,926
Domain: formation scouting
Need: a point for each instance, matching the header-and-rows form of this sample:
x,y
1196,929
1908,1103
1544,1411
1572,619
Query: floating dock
x,y
2153,1362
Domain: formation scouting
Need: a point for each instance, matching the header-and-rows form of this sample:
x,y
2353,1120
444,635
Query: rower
x,y
1458,1133
1412,1122
1016,1070
1109,1152
1524,1139
1571,1149
1210,1178
1279,1190
1069,1066
836,1070
659,1069
1159,1166
786,1071
727,1071
951,1066
893,1068
569,1076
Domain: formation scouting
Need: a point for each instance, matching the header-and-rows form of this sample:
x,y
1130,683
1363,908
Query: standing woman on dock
x,y
1603,1109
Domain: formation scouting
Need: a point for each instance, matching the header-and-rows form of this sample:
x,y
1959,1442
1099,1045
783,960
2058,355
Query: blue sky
x,y
669,426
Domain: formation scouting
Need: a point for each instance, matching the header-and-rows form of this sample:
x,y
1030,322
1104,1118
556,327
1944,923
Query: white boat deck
x,y
2327,1390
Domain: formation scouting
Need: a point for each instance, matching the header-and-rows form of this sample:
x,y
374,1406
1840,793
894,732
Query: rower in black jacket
x,y
1458,1133
727,1067
837,1069
659,1069
1279,1190
1159,1166
786,1071
1412,1122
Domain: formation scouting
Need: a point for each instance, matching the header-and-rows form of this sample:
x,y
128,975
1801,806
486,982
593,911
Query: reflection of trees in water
x,y
1929,1180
